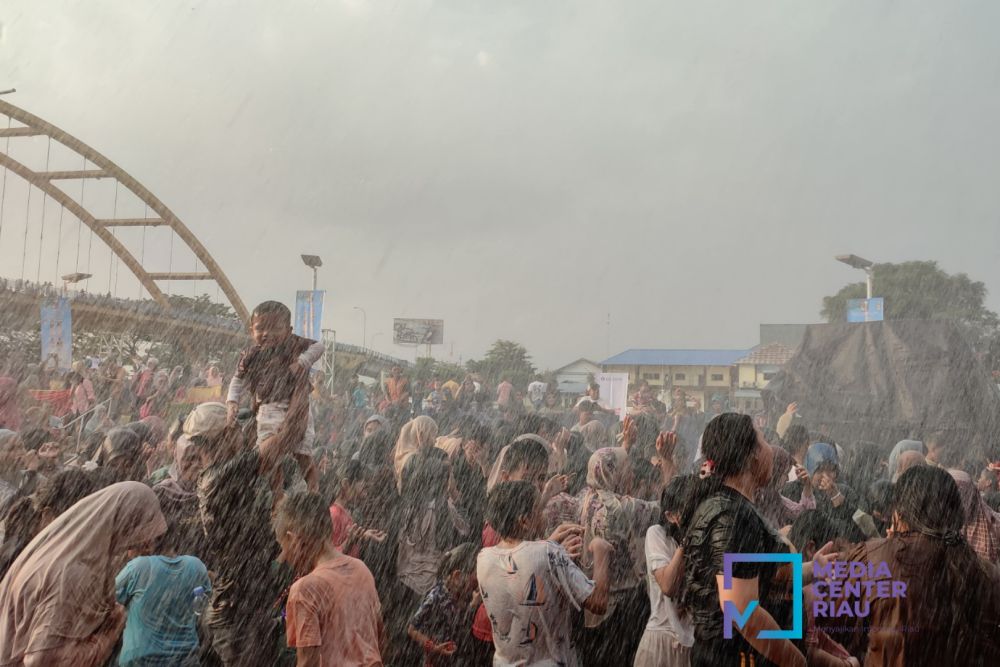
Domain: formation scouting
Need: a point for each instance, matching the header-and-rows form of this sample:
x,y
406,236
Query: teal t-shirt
x,y
159,594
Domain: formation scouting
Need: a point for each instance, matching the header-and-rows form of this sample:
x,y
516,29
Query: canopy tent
x,y
884,381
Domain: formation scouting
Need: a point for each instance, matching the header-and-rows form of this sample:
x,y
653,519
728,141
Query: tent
x,y
884,381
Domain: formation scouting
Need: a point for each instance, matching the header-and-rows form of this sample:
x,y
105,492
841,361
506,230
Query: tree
x,y
919,290
426,367
505,359
202,305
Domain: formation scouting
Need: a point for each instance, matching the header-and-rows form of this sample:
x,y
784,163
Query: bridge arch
x,y
32,126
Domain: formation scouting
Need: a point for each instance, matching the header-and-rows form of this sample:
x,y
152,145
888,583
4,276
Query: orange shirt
x,y
396,388
336,608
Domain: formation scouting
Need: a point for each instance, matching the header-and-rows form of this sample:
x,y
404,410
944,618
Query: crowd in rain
x,y
469,521
140,307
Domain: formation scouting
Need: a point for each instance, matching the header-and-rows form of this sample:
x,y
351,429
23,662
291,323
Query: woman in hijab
x,y
606,511
160,397
10,412
951,606
29,515
902,446
120,456
57,601
776,508
213,378
981,528
417,435
429,525
156,447
179,499
379,509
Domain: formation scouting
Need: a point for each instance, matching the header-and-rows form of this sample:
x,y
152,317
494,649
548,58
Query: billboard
x,y
866,310
57,334
614,392
417,332
309,314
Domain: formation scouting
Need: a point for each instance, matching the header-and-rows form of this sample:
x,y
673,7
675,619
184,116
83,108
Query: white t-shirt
x,y
663,615
529,592
536,391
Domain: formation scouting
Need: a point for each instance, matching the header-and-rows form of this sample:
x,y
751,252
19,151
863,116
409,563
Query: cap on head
x,y
205,420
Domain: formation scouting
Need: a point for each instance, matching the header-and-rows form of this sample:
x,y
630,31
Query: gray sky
x,y
520,169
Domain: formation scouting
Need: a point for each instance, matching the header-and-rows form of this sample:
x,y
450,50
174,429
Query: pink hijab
x,y
62,586
417,434
10,413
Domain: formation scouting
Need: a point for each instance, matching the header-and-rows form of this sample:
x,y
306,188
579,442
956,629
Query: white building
x,y
572,378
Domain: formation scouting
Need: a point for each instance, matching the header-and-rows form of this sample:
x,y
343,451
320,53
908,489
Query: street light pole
x,y
364,327
865,265
313,262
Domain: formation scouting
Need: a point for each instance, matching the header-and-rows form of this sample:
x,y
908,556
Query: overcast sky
x,y
521,169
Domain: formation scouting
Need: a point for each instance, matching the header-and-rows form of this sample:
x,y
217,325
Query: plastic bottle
x,y
199,600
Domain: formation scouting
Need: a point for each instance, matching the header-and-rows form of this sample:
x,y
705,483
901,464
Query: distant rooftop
x,y
771,354
676,358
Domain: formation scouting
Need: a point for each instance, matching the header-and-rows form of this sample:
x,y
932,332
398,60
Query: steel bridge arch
x,y
43,180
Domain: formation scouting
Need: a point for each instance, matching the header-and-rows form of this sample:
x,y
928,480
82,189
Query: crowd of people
x,y
454,522
141,307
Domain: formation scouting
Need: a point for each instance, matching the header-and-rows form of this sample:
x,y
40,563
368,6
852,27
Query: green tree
x,y
426,367
505,359
203,305
919,290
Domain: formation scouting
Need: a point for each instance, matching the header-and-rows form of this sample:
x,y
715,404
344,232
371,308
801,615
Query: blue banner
x,y
57,334
866,310
309,314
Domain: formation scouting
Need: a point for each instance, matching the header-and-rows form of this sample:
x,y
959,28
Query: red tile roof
x,y
772,354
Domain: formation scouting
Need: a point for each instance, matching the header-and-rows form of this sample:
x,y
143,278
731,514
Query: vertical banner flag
x,y
57,334
614,392
309,314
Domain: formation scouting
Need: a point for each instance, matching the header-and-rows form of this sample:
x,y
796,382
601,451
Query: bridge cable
x,y
90,243
24,250
41,234
3,192
114,233
142,253
170,258
59,244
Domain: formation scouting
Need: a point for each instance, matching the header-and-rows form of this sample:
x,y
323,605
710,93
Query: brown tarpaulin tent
x,y
884,381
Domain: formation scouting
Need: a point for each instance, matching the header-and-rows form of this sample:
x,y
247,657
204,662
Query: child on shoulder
x,y
275,370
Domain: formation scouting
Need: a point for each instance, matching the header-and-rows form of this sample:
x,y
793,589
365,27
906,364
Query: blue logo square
x,y
730,614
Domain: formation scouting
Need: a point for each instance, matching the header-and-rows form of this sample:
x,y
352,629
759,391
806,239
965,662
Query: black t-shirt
x,y
266,371
240,547
726,522
472,488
